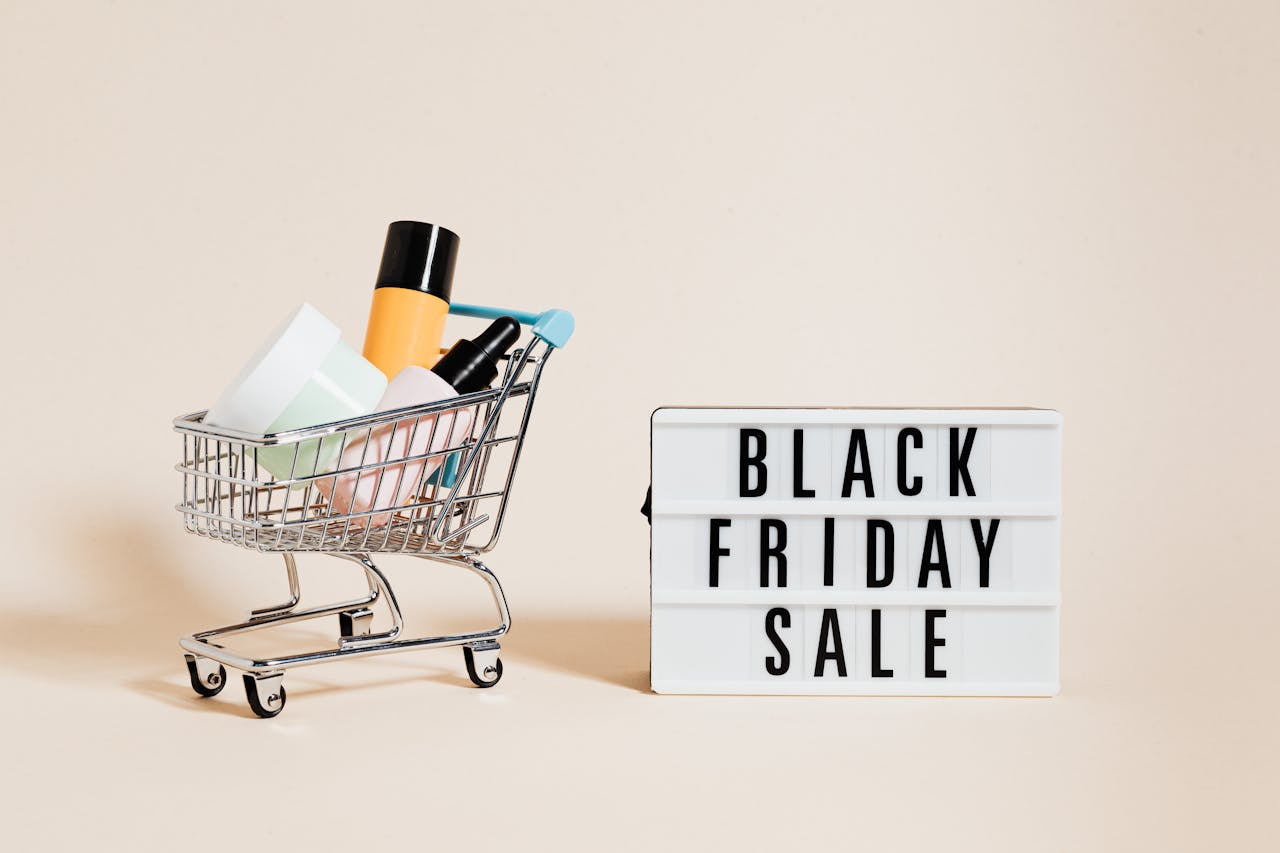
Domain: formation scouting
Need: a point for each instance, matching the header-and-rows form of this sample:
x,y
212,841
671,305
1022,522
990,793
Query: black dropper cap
x,y
419,256
471,365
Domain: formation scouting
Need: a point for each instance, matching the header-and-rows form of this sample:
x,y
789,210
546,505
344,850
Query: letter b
x,y
749,460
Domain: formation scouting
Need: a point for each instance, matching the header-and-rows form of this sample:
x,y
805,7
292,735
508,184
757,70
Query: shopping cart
x,y
458,485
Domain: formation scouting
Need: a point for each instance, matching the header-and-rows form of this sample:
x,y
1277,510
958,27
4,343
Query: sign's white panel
x,y
887,551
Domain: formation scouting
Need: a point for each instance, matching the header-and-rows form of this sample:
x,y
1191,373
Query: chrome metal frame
x,y
358,645
453,516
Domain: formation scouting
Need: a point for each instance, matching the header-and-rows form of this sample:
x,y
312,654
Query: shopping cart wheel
x,y
205,679
266,695
484,667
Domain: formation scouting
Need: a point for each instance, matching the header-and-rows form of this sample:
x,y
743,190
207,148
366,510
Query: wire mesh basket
x,y
443,491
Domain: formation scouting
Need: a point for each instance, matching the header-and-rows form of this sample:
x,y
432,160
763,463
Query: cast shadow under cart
x,y
134,598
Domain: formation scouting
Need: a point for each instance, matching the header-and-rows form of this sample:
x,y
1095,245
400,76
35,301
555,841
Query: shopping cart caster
x,y
265,694
207,677
484,667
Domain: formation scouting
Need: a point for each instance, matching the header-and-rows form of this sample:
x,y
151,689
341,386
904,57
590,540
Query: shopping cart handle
x,y
555,326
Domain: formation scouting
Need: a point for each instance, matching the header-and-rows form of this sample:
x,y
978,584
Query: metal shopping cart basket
x,y
460,480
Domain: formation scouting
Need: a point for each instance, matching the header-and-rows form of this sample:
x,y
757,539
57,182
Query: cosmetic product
x,y
303,375
411,297
468,366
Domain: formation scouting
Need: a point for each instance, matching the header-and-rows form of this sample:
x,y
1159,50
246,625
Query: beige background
x,y
1064,205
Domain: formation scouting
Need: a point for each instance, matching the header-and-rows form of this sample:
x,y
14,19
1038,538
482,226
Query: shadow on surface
x,y
231,700
133,600
615,651
612,651
129,603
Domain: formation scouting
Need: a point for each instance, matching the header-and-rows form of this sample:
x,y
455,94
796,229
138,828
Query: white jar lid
x,y
276,373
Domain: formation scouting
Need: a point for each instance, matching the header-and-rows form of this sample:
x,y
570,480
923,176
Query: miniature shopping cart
x,y
459,484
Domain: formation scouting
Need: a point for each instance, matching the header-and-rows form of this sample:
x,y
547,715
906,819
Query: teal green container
x,y
303,376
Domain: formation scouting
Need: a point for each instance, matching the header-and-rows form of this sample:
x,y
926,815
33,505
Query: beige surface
x,y
1065,205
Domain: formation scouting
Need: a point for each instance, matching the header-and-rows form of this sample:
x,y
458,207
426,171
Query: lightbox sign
x,y
855,551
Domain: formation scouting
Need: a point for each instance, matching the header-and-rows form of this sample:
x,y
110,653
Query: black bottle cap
x,y
471,365
419,256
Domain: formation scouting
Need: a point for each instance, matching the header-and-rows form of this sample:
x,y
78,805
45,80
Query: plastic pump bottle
x,y
469,366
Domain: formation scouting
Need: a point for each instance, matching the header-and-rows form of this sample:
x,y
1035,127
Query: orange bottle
x,y
411,297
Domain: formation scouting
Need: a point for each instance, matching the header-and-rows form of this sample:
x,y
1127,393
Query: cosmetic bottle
x,y
411,297
302,376
469,366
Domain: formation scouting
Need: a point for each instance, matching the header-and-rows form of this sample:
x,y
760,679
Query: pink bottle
x,y
467,367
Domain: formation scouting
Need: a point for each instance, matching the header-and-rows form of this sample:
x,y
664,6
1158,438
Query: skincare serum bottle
x,y
411,297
